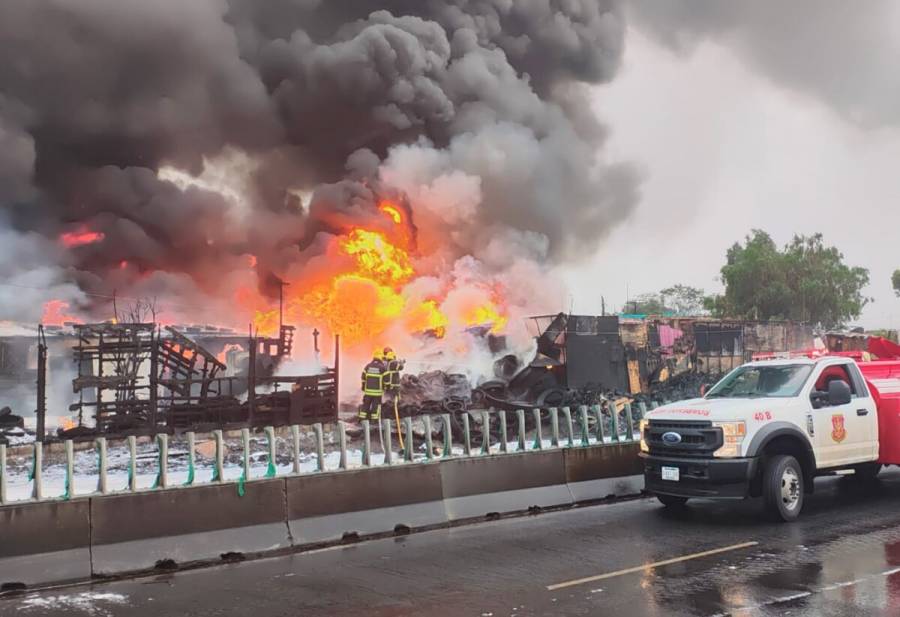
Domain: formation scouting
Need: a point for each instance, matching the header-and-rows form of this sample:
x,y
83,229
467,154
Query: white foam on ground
x,y
88,602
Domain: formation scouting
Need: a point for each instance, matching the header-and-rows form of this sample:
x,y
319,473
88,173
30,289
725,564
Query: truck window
x,y
858,384
783,381
830,373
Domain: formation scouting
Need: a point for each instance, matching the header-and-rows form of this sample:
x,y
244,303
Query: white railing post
x,y
570,428
367,444
220,456
2,474
320,446
132,463
245,454
342,442
295,448
192,458
448,435
102,467
429,445
162,441
37,492
520,419
554,427
467,435
70,469
388,446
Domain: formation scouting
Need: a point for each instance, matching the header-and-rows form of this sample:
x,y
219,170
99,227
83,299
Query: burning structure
x,y
401,172
138,378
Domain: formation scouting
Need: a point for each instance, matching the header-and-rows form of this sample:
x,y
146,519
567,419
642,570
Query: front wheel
x,y
671,501
783,487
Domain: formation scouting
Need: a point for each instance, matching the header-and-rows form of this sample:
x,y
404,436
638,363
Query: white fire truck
x,y
768,428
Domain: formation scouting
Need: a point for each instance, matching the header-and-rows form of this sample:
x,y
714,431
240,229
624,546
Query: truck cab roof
x,y
799,360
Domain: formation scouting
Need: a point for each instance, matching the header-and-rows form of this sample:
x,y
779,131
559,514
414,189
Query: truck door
x,y
866,411
841,435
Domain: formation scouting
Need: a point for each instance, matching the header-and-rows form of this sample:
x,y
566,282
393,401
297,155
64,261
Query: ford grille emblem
x,y
671,438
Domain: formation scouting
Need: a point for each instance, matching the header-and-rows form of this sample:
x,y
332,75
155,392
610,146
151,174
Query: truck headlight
x,y
733,434
642,426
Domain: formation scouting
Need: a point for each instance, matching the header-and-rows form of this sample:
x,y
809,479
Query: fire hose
x,y
397,416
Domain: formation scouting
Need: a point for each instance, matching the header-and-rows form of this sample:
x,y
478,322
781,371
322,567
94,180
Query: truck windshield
x,y
762,381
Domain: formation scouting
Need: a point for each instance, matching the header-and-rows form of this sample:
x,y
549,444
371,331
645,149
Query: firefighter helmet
x,y
389,354
378,355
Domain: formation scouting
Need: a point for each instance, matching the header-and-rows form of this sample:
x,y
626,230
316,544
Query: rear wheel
x,y
867,472
783,487
671,501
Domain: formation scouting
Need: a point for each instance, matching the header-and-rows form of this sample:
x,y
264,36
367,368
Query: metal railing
x,y
568,428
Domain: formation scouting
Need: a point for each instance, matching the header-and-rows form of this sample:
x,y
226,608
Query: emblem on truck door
x,y
839,432
671,438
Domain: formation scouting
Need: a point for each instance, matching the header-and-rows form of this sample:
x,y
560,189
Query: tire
x,y
671,501
866,472
782,486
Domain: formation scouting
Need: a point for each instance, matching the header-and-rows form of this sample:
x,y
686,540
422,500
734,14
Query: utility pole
x,y
281,286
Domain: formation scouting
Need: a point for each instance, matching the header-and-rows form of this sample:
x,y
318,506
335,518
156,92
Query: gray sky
x,y
727,146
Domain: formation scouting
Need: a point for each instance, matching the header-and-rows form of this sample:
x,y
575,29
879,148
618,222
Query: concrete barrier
x,y
324,507
476,487
135,531
597,473
61,541
47,541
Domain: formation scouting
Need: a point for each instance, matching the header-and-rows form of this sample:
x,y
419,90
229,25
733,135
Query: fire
x,y
80,237
486,315
392,211
55,313
427,317
376,258
266,322
355,306
366,290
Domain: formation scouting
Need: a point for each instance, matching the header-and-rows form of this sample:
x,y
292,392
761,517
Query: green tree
x,y
680,300
684,300
805,281
895,280
646,304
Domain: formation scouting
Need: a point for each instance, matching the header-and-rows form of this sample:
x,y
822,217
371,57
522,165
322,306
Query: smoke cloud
x,y
190,139
840,52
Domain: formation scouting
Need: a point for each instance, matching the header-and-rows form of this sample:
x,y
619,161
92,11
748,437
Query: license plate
x,y
670,473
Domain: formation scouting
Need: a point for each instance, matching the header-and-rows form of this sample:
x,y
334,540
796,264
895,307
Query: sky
x,y
724,147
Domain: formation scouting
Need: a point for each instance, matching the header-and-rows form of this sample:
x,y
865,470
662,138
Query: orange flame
x,y
80,237
486,315
361,292
55,313
376,258
427,317
392,211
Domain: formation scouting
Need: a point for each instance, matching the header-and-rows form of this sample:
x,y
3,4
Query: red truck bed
x,y
883,378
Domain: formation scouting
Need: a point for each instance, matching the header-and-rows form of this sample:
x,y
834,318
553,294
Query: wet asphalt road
x,y
841,558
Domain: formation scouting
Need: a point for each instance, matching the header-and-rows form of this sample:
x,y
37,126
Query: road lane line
x,y
647,566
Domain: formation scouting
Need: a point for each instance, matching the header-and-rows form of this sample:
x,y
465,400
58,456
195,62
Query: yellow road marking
x,y
647,566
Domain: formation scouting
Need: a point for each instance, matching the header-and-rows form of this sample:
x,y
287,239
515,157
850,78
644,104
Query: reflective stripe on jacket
x,y
373,378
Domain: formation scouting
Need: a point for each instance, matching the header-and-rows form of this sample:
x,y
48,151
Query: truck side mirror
x,y
838,392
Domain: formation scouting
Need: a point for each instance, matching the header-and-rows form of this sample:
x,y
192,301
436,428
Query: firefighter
x,y
373,383
392,386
